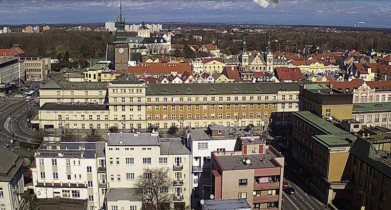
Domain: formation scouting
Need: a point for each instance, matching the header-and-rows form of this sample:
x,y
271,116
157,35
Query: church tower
x,y
269,58
245,56
121,47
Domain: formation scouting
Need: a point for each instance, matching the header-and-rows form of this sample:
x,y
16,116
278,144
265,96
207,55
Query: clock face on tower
x,y
121,50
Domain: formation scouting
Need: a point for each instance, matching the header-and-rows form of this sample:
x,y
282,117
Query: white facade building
x,y
128,154
202,142
11,70
110,26
11,180
70,170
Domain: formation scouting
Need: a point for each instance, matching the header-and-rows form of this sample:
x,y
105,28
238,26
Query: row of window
x,y
212,107
124,90
83,117
146,160
364,98
190,116
72,92
372,118
224,98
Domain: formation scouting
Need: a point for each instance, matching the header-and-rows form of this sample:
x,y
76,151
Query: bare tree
x,y
153,186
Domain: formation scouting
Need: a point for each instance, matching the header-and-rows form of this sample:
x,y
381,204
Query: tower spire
x,y
120,17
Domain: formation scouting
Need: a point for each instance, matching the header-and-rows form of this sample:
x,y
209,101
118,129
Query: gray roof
x,y
202,135
173,147
122,194
365,151
67,149
66,85
132,139
65,107
9,165
227,204
220,88
235,162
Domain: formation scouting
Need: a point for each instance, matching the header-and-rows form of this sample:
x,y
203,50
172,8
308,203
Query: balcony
x,y
178,167
197,169
178,197
102,169
265,199
178,182
267,186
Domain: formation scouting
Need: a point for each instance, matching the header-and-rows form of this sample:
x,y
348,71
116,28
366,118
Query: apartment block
x,y
202,142
322,150
70,170
128,154
134,105
370,169
256,174
326,102
11,180
11,71
64,92
37,68
372,114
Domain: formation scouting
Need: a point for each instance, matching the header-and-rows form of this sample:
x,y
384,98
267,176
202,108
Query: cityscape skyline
x,y
288,12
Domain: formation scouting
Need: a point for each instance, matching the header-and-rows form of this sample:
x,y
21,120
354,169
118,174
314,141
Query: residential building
x,y
285,74
159,69
135,105
73,92
11,180
322,150
372,114
370,169
69,170
233,204
37,68
212,65
326,102
128,154
256,174
11,71
110,26
202,142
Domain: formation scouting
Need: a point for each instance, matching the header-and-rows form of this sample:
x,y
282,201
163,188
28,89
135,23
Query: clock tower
x,y
121,47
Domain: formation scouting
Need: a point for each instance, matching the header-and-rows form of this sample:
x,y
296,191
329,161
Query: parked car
x,y
285,185
290,190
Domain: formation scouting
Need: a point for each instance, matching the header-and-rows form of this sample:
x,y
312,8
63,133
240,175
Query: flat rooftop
x,y
7,59
68,149
332,135
68,106
235,162
132,139
371,107
122,194
202,135
227,204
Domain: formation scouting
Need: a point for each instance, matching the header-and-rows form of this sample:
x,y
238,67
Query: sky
x,y
375,13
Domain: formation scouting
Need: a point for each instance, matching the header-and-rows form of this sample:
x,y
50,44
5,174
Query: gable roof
x,y
232,72
9,165
207,60
291,74
210,47
13,51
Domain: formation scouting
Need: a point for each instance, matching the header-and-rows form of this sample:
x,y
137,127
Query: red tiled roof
x,y
205,75
196,47
216,75
210,47
160,68
355,53
360,68
232,72
168,59
356,83
207,60
14,51
299,63
288,74
387,58
258,74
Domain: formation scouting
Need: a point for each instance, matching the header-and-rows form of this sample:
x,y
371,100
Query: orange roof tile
x,y
160,68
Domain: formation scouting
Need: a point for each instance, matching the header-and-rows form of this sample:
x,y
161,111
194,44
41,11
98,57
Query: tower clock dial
x,y
121,50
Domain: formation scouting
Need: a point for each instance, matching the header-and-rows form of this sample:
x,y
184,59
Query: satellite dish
x,y
248,161
202,201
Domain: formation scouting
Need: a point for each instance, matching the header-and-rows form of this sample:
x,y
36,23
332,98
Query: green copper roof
x,y
371,107
332,135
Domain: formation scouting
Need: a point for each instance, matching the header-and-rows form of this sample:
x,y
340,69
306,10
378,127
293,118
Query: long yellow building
x,y
129,105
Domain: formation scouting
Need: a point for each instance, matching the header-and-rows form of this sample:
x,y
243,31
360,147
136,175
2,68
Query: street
x,y
13,120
